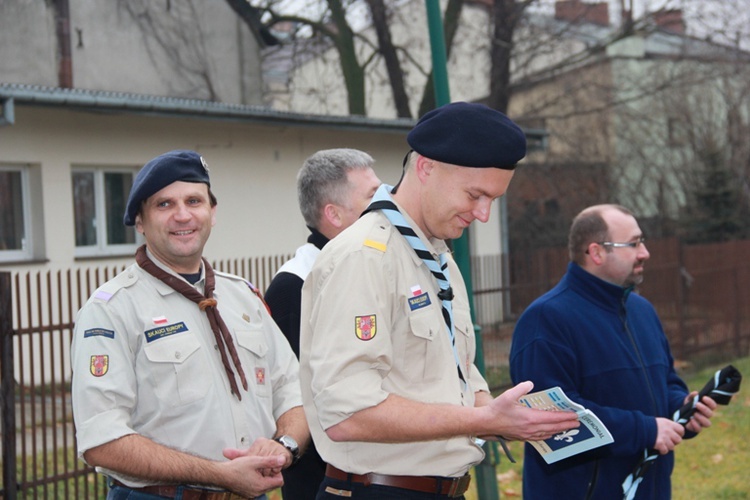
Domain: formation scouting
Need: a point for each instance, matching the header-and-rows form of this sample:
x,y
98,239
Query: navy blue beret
x,y
178,165
469,135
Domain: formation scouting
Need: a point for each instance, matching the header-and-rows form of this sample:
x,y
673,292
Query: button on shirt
x,y
372,326
145,361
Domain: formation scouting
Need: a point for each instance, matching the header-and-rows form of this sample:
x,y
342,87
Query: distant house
x,y
90,91
88,94
632,120
631,109
193,49
307,77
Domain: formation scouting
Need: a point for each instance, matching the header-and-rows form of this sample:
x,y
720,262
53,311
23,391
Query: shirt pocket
x,y
423,360
179,369
253,353
464,339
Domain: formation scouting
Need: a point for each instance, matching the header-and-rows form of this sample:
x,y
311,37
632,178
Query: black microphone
x,y
446,294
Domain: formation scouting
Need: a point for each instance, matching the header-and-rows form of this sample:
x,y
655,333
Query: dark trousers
x,y
301,480
330,487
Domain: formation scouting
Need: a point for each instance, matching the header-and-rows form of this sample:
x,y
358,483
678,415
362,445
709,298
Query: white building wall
x,y
253,171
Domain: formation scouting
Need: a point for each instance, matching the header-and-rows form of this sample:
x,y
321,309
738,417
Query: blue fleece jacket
x,y
605,347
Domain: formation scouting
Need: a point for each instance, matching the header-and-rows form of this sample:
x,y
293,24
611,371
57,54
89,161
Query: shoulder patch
x,y
375,244
123,280
377,238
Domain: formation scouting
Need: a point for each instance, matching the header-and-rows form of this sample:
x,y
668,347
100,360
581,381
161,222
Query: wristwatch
x,y
290,444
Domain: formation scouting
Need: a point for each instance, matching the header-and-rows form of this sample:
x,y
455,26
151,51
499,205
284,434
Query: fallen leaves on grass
x,y
507,477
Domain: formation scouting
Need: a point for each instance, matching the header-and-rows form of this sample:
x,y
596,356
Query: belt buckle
x,y
459,486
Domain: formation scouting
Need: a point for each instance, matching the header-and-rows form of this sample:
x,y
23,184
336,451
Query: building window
x,y
99,199
15,230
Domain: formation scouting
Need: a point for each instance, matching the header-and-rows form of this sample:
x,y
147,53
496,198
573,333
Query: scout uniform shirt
x,y
371,326
145,361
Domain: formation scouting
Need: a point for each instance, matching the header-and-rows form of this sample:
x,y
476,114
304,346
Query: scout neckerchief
x,y
207,304
382,201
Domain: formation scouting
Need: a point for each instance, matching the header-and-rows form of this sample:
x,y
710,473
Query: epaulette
x,y
377,238
252,287
123,280
257,293
229,276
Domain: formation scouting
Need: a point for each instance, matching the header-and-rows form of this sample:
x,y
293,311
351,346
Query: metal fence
x,y
700,292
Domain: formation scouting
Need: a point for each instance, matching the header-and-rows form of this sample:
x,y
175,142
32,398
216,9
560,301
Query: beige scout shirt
x,y
145,361
359,289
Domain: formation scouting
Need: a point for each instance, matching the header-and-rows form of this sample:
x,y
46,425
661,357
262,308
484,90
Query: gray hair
x,y
323,179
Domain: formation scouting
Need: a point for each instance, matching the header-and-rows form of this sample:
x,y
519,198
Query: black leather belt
x,y
452,487
170,491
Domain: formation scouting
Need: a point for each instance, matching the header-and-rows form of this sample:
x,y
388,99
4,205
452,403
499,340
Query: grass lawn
x,y
714,465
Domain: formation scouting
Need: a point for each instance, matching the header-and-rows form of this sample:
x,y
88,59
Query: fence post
x,y
737,307
682,301
7,388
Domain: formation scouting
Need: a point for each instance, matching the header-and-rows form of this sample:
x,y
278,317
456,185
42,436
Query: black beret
x,y
469,135
178,165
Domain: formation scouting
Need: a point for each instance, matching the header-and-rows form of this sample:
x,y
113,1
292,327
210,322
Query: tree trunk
x,y
505,14
392,64
354,74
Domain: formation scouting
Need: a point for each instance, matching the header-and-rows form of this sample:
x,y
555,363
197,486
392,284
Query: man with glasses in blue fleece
x,y
605,347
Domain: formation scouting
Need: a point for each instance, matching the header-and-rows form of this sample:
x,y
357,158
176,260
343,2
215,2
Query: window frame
x,y
102,248
26,252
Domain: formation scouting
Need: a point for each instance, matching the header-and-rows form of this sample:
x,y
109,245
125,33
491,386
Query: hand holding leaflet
x,y
591,434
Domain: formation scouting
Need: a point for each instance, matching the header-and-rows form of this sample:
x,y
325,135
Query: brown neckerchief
x,y
207,304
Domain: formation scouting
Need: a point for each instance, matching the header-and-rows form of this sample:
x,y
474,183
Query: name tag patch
x,y
99,332
164,331
419,301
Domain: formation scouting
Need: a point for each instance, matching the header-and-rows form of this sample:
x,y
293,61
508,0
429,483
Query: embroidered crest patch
x,y
260,376
365,327
99,365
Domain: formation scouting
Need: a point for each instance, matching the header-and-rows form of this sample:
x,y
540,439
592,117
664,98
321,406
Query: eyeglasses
x,y
631,244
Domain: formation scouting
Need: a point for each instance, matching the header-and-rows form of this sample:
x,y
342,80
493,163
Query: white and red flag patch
x,y
160,320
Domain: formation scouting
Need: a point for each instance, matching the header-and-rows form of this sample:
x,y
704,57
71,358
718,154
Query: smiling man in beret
x,y
390,390
183,386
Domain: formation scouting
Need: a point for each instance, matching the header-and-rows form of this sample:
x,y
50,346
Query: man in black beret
x,y
183,385
391,393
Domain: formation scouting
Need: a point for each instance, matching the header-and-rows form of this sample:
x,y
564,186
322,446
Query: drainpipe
x,y
485,471
7,114
62,27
